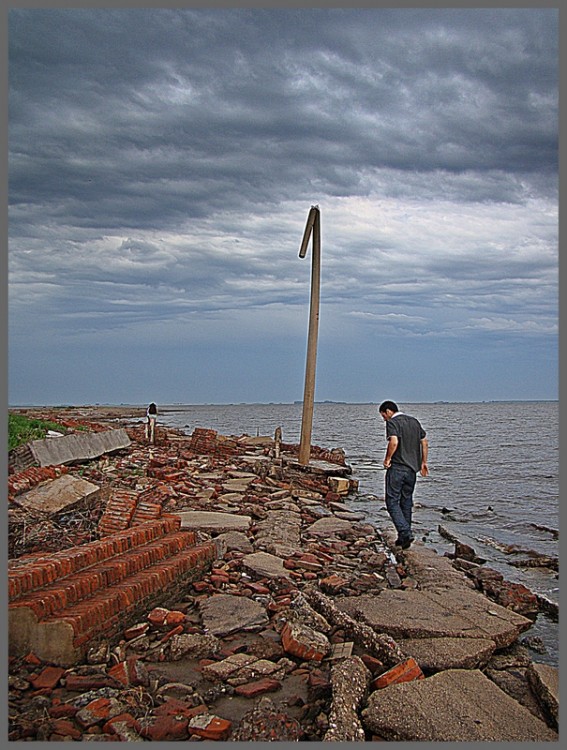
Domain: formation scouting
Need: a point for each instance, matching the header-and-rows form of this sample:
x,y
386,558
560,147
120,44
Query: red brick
x,y
210,727
405,671
175,631
371,662
81,683
31,658
124,718
66,728
166,729
293,645
62,710
252,689
174,617
99,710
48,678
176,707
332,583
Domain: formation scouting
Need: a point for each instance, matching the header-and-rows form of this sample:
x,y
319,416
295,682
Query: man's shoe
x,y
403,539
406,543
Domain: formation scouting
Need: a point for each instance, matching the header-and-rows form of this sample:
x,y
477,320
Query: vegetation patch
x,y
22,430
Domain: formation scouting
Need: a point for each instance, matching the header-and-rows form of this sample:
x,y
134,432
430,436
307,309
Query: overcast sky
x,y
162,164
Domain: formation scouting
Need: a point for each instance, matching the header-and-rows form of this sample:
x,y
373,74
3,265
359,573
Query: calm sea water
x,y
494,474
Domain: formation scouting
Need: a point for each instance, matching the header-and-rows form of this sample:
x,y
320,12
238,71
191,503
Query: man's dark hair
x,y
386,405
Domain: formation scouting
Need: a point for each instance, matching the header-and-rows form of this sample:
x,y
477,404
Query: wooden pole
x,y
313,227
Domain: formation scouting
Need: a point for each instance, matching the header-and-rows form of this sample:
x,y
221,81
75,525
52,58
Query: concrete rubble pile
x,y
309,625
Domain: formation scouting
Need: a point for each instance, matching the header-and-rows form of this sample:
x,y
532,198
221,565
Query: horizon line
x,y
276,403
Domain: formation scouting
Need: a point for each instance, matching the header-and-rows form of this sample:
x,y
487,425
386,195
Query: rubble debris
x,y
288,663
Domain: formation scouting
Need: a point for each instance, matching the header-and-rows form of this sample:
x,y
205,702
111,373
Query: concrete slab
x,y
454,705
328,526
265,565
213,521
451,613
317,466
60,493
433,571
223,614
544,681
233,486
236,540
483,616
78,446
437,654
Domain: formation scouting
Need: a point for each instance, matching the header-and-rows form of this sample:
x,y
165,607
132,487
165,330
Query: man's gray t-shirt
x,y
410,433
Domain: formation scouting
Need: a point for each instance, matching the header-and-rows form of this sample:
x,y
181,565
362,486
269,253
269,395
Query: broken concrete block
x,y
304,642
340,485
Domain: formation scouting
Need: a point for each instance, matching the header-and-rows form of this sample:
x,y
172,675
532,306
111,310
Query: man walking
x,y
406,454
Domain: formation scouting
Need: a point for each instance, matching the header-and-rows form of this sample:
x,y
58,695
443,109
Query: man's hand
x,y
387,463
424,471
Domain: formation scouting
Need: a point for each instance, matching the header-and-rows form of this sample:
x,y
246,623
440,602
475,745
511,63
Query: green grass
x,y
21,429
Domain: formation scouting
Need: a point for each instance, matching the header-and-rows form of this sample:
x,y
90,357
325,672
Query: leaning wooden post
x,y
313,226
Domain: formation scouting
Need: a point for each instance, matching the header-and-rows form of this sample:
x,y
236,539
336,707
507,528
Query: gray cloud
x,y
162,163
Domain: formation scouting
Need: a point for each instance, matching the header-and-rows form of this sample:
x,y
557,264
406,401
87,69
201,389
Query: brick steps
x,y
61,603
127,508
78,586
32,572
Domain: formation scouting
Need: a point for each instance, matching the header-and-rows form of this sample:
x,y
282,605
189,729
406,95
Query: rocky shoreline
x,y
309,626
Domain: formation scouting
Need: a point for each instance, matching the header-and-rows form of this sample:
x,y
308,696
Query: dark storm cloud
x,y
162,163
157,114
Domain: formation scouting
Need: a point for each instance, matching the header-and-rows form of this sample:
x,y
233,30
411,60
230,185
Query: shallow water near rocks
x,y
494,475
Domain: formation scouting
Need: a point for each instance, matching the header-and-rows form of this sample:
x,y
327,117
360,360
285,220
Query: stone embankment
x,y
210,588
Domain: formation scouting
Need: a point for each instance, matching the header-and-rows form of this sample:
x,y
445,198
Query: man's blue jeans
x,y
400,484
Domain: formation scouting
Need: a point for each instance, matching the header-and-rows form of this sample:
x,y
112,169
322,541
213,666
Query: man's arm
x,y
424,471
390,450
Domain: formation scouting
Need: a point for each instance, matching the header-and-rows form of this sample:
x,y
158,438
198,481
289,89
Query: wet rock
x,y
535,643
514,682
544,681
514,655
